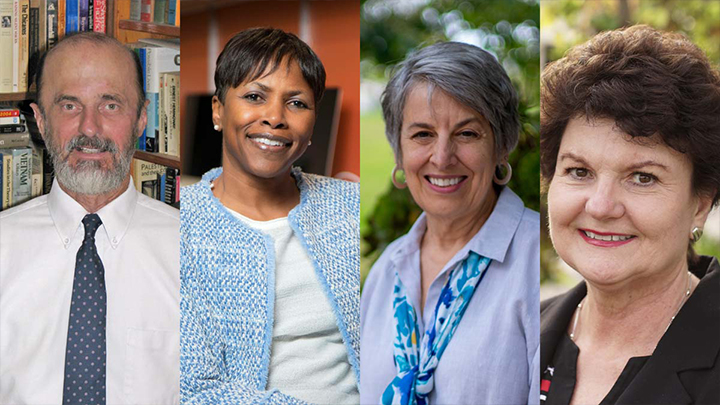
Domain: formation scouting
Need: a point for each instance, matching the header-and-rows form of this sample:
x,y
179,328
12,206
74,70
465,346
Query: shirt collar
x,y
493,239
67,215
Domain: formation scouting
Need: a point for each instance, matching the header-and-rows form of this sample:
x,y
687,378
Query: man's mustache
x,y
94,142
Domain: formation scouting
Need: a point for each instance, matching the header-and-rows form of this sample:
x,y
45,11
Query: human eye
x,y
421,135
578,173
643,179
112,107
299,104
253,97
468,133
68,107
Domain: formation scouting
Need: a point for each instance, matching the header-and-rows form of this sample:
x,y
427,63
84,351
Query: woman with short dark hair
x,y
269,254
630,140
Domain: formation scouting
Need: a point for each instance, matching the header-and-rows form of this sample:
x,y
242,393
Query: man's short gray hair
x,y
467,73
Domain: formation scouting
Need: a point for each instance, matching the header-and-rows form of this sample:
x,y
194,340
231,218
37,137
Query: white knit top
x,y
308,359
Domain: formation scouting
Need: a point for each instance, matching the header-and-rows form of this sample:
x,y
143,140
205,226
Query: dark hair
x,y
467,73
97,39
248,54
649,82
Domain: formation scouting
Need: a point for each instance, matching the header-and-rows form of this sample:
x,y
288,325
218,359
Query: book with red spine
x,y
100,15
146,10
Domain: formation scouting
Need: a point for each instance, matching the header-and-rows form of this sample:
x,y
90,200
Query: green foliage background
x,y
390,29
566,23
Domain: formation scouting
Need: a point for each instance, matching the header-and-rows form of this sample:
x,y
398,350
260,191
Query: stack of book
x,y
156,11
157,181
29,27
22,169
161,67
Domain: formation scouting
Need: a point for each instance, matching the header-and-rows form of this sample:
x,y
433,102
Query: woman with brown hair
x,y
630,140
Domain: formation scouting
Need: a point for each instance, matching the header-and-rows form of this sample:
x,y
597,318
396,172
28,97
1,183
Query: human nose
x,y
604,201
274,115
443,153
90,122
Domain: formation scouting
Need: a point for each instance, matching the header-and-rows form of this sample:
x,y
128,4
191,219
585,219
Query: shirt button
x,y
115,241
67,241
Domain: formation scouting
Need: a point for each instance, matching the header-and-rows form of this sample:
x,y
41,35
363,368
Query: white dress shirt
x,y
138,243
494,354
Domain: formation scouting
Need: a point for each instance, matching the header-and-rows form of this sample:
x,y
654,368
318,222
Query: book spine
x,y
83,15
91,15
62,19
10,120
42,37
6,34
15,140
174,123
71,16
146,10
2,182
151,63
22,175
7,191
10,112
162,125
170,181
48,172
172,12
159,11
16,45
24,45
11,129
100,15
37,171
52,23
34,31
142,54
135,8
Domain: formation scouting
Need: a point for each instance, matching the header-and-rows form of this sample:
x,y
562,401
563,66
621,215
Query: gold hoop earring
x,y
395,182
696,234
508,175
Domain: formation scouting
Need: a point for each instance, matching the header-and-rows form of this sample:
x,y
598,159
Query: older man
x,y
89,274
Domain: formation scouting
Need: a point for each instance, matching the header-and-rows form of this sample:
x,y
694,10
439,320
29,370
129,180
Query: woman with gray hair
x,y
450,311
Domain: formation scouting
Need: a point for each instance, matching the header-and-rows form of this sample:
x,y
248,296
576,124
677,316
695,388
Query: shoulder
x,y
158,209
383,269
328,187
22,211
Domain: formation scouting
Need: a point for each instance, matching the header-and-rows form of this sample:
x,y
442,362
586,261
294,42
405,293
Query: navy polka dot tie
x,y
85,353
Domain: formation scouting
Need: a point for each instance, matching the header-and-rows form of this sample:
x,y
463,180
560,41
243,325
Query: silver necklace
x,y
682,302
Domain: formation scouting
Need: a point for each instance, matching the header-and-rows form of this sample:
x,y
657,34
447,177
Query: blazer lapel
x,y
691,343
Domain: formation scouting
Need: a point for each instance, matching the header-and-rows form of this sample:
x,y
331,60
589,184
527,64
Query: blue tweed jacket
x,y
227,287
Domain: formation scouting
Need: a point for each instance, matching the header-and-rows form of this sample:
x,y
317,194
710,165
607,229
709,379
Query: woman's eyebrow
x,y
646,163
572,156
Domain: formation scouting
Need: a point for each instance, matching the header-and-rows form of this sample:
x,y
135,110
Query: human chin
x,y
90,177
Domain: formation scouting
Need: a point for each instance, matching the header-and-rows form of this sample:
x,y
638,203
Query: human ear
x,y
218,111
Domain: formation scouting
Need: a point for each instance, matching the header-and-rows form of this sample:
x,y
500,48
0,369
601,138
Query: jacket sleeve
x,y
203,379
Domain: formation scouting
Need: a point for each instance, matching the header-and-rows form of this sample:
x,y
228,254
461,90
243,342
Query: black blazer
x,y
685,368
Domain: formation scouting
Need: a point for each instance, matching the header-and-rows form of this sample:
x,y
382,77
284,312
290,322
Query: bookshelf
x,y
119,26
27,95
127,31
151,28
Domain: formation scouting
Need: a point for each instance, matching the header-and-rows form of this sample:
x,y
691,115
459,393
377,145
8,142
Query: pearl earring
x,y
216,127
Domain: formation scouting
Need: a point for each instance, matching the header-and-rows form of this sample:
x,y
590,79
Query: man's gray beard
x,y
88,176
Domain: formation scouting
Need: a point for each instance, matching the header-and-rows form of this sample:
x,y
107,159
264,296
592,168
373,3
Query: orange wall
x,y
335,32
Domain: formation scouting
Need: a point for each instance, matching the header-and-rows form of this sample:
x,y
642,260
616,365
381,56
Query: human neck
x,y
451,234
257,198
632,319
93,203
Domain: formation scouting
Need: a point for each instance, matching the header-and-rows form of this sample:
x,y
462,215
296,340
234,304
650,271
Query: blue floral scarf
x,y
415,363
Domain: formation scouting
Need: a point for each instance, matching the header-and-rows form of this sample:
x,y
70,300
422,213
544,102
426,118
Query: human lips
x,y
445,183
605,239
267,141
